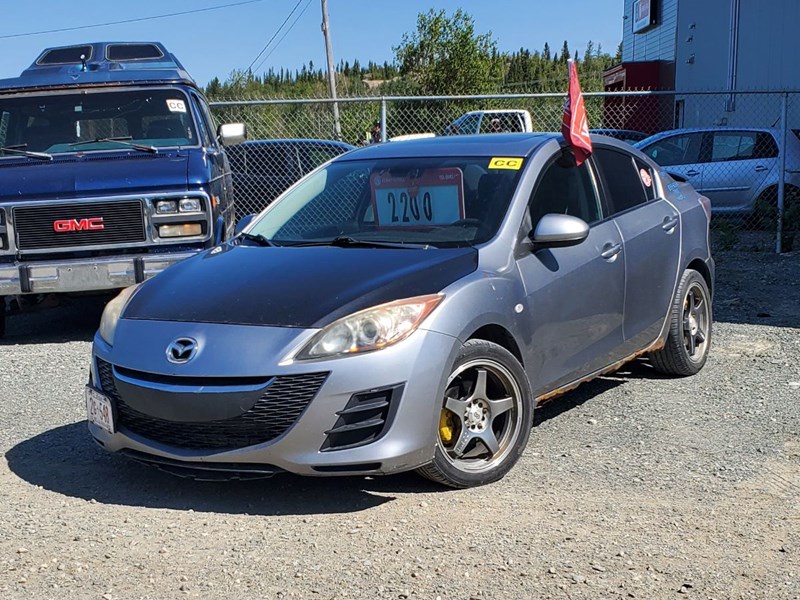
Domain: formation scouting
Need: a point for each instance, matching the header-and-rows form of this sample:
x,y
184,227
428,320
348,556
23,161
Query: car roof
x,y
686,130
496,144
297,142
495,110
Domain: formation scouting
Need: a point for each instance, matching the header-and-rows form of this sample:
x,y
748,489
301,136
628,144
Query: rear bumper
x,y
83,275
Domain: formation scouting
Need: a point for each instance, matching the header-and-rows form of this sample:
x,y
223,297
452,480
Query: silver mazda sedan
x,y
405,306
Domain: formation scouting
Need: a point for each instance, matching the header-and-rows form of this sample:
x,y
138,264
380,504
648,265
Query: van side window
x,y
567,190
207,130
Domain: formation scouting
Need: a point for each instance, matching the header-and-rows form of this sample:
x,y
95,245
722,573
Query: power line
x,y
274,35
278,43
137,20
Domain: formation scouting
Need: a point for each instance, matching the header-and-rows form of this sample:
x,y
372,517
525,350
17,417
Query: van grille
x,y
35,226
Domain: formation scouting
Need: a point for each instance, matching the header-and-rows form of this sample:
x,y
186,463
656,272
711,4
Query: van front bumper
x,y
83,275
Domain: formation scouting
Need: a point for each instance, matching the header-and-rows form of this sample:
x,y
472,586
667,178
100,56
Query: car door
x,y
651,236
680,154
574,294
740,163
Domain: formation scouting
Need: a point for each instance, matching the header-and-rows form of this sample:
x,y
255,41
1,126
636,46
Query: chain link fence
x,y
742,149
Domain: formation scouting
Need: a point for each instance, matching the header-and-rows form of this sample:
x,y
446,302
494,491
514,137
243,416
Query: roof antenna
x,y
83,62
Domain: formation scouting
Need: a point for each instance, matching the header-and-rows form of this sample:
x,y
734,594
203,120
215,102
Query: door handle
x,y
761,169
669,224
611,250
692,173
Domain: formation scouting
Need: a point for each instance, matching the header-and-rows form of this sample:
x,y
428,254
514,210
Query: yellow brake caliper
x,y
447,426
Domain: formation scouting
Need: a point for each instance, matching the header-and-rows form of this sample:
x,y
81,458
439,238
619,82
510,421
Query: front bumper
x,y
417,367
83,275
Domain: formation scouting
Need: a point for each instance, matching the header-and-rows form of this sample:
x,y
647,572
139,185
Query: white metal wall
x,y
657,43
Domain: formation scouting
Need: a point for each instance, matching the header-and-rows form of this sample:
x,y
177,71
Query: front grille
x,y
272,415
35,226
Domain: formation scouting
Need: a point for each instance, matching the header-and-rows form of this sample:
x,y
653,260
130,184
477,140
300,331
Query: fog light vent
x,y
364,420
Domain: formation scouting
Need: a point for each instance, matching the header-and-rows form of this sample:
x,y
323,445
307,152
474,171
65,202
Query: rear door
x,y
651,236
575,294
740,163
681,154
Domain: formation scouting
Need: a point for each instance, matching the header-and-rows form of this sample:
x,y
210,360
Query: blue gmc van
x,y
111,169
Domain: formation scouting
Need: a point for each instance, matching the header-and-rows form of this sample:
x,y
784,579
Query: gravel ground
x,y
633,486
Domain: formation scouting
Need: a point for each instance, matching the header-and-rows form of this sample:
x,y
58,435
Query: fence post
x,y
383,119
782,171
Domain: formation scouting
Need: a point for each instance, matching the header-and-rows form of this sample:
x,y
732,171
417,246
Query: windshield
x,y
54,123
436,201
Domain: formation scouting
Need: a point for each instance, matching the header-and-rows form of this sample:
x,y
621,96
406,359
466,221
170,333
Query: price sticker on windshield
x,y
178,106
435,197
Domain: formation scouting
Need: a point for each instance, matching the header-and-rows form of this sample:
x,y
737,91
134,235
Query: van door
x,y
220,184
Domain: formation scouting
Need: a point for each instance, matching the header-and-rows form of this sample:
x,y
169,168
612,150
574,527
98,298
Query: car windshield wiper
x,y
258,239
21,151
124,140
345,241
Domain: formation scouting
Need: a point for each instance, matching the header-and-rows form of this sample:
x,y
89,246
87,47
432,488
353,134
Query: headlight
x,y
112,312
371,329
166,207
189,205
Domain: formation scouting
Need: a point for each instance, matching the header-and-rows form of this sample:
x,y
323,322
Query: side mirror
x,y
243,222
232,133
556,231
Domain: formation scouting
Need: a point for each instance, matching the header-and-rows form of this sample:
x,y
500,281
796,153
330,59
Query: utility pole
x,y
326,31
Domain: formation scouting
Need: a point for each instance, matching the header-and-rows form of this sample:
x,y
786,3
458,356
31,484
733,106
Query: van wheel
x,y
485,419
2,316
689,337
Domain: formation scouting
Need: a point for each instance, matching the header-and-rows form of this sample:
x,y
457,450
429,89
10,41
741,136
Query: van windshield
x,y
55,122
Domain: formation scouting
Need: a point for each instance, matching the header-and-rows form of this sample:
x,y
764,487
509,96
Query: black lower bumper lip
x,y
204,471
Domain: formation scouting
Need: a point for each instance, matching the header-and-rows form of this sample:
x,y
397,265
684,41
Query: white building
x,y
713,45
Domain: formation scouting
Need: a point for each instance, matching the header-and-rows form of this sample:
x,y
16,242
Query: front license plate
x,y
98,409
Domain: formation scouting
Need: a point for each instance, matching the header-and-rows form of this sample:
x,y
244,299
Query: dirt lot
x,y
633,486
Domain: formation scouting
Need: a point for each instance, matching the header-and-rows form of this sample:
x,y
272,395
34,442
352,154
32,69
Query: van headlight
x,y
371,329
112,313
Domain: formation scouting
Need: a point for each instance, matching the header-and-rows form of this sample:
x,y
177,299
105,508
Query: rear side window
x,y
766,147
623,181
733,146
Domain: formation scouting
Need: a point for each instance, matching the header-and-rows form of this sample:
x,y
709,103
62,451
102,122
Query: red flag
x,y
575,126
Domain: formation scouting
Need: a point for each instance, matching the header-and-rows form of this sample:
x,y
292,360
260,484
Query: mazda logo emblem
x,y
182,350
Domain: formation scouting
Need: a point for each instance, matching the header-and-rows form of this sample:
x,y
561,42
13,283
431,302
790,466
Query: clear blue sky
x,y
214,43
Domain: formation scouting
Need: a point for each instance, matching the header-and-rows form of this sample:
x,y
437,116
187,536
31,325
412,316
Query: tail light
x,y
706,204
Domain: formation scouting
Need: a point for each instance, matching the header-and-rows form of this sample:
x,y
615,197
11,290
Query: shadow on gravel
x,y
65,460
75,319
757,288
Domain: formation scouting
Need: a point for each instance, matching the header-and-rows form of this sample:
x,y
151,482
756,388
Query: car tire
x,y
690,324
485,420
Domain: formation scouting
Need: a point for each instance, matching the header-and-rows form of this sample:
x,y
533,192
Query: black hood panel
x,y
294,287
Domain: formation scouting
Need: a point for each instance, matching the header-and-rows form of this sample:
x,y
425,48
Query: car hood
x,y
294,287
92,174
